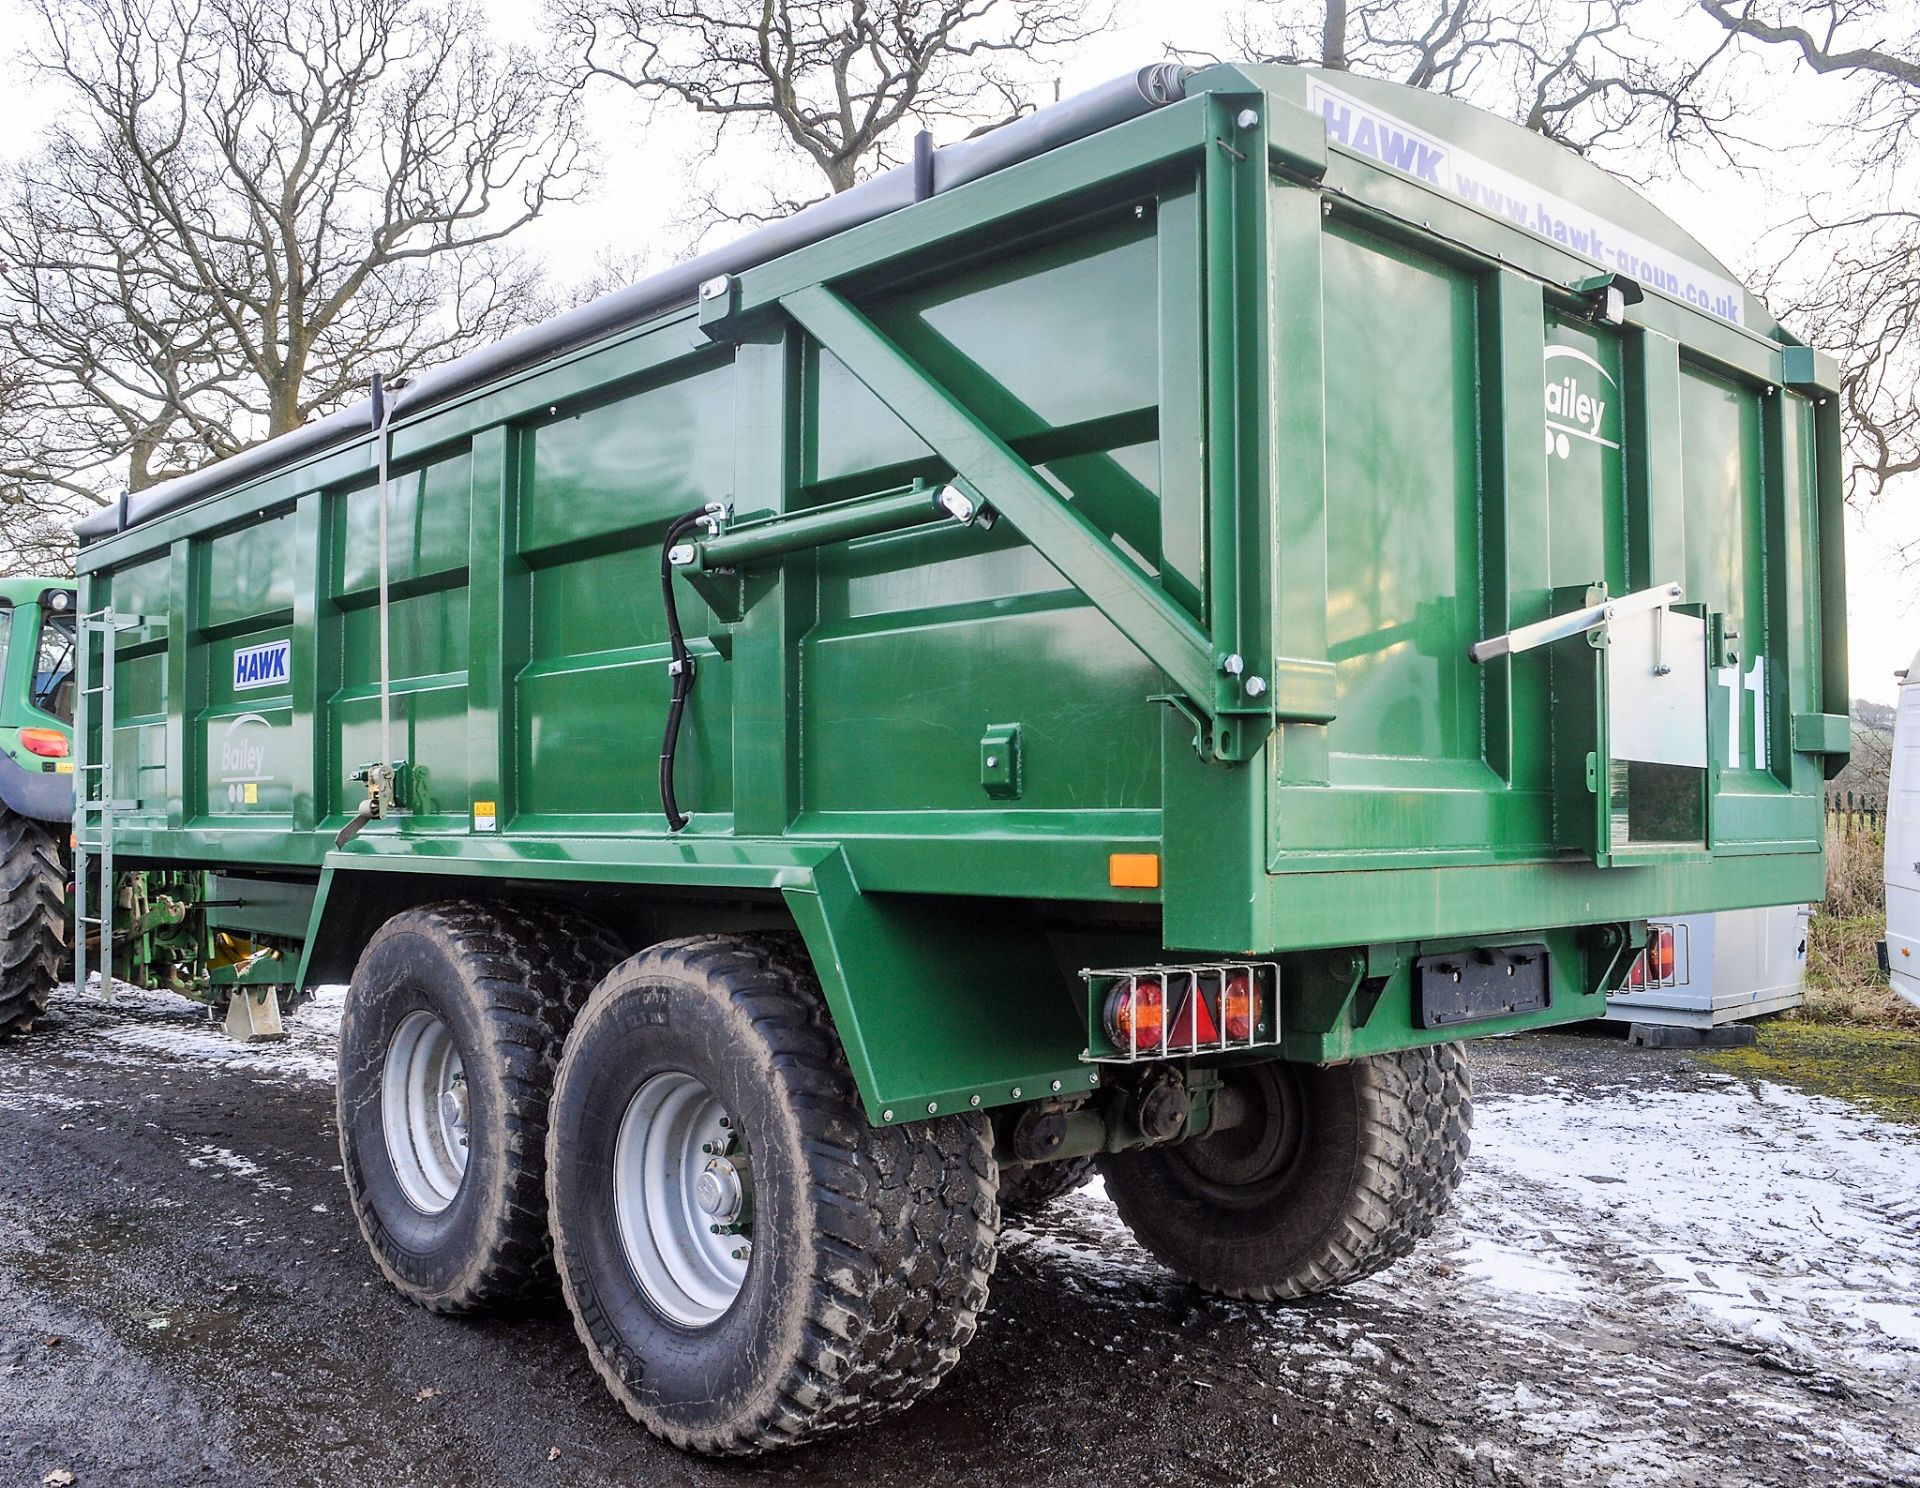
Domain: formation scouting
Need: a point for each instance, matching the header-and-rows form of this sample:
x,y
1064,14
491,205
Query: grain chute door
x,y
1630,733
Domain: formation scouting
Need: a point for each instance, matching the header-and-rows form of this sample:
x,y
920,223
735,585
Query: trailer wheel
x,y
1030,1189
33,898
448,1043
749,1263
1336,1172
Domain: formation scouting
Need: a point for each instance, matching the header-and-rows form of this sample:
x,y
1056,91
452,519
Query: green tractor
x,y
36,791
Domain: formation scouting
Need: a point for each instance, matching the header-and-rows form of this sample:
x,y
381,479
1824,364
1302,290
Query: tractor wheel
x,y
33,902
1335,1172
448,1043
751,1264
1028,1190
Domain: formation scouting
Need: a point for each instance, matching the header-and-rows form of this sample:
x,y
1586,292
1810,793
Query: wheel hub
x,y
1265,1143
718,1190
424,1111
683,1198
453,1109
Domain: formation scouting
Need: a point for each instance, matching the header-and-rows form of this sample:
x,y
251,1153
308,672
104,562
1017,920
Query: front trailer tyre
x,y
750,1264
33,900
1333,1173
448,1043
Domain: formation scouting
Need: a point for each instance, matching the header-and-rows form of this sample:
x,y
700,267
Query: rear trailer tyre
x,y
448,1043
33,898
749,1263
1028,1190
1336,1172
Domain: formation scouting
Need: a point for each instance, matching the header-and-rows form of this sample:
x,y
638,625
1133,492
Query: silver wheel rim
x,y
423,1110
683,1198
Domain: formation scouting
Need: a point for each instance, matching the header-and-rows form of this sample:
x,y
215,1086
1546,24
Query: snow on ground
x,y
1608,1248
1770,1213
133,1024
1619,1259
1782,1221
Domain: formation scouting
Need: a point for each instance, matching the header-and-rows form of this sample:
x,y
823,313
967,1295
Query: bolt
x,y
973,1100
1093,1077
724,1121
1246,118
1233,665
713,288
933,1108
1016,1092
992,761
1255,686
887,1115
1056,1086
740,1254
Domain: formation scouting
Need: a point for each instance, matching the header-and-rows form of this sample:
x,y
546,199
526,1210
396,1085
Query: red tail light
x,y
1136,1014
1239,1006
1660,952
47,743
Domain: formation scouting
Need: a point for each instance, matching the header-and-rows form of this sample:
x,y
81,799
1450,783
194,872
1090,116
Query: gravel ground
x,y
1655,1274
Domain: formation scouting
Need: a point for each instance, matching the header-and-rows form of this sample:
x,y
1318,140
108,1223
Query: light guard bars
x,y
1193,1001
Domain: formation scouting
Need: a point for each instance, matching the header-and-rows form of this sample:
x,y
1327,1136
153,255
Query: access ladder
x,y
93,801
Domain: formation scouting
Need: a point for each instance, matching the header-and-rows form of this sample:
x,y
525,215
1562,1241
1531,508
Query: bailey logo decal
x,y
244,762
1581,397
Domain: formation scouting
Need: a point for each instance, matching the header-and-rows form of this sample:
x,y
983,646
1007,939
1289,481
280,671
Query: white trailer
x,y
1707,971
1901,950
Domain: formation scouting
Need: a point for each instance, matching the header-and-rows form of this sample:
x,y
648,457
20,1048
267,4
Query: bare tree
x,y
1600,76
246,206
1849,275
35,536
837,84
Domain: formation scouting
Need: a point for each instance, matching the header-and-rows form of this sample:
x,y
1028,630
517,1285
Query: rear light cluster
x,y
45,742
1663,963
1154,1012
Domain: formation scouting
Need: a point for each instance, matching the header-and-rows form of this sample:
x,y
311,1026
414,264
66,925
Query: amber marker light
x,y
1134,870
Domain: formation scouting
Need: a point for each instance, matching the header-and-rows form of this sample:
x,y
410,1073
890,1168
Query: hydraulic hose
x,y
679,668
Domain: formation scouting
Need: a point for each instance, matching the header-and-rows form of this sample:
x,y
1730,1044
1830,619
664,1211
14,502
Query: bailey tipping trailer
x,y
1156,624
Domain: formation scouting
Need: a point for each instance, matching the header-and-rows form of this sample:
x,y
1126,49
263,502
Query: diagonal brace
x,y
1062,535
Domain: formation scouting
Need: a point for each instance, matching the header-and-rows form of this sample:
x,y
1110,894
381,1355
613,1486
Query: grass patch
x,y
1844,981
1877,1068
1845,986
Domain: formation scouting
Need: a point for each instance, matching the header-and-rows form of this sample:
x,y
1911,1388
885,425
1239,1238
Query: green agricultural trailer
x,y
1155,624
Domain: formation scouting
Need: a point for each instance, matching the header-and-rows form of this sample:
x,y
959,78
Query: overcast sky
x,y
639,209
